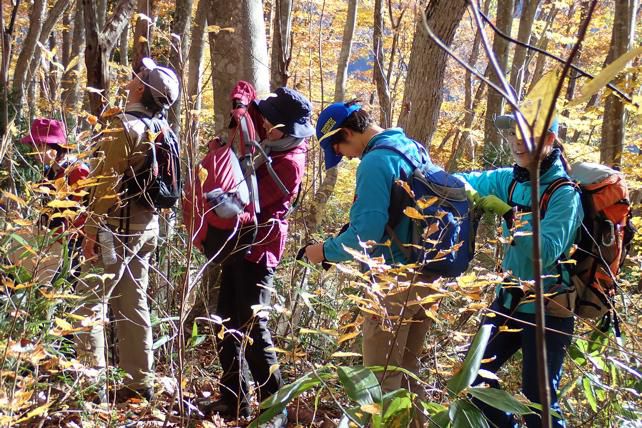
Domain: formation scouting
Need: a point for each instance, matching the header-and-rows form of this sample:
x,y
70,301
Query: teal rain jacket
x,y
376,174
558,228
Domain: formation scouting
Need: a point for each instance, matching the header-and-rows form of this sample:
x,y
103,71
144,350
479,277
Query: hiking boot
x,y
280,420
225,410
125,394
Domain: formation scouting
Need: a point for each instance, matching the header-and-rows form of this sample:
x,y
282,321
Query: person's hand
x,y
492,204
471,193
314,253
89,246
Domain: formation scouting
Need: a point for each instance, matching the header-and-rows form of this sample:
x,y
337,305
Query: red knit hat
x,y
46,131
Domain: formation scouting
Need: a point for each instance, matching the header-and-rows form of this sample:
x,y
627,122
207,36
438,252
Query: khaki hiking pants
x,y
126,292
397,340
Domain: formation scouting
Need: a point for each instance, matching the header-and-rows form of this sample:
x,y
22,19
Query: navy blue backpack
x,y
443,242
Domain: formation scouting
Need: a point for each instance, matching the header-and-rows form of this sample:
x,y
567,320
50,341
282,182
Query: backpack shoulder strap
x,y
404,154
511,190
548,192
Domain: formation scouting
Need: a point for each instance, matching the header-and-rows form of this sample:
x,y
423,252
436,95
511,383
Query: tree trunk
x,y
423,92
465,144
281,43
325,190
529,10
573,75
344,56
178,54
378,68
123,47
613,121
6,36
143,31
71,77
20,82
66,37
99,45
53,17
493,146
195,59
542,44
238,55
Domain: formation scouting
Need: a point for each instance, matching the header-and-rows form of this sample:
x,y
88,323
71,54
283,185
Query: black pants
x,y
247,341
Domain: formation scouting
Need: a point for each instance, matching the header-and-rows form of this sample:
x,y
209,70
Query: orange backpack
x,y
605,236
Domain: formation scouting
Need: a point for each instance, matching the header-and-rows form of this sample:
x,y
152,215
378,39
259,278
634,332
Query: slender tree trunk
x,y
99,45
72,75
143,31
178,55
53,17
493,146
66,37
572,81
325,190
20,82
529,10
195,59
281,43
123,47
543,44
6,36
423,92
230,62
344,56
383,90
613,121
465,143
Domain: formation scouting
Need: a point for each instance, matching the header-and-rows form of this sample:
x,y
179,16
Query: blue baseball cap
x,y
328,124
507,122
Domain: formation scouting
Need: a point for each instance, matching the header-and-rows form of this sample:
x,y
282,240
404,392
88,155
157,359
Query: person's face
x,y
349,146
520,152
273,132
44,153
135,88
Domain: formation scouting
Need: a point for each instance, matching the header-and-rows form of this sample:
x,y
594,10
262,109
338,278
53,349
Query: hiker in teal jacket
x,y
369,214
346,129
514,298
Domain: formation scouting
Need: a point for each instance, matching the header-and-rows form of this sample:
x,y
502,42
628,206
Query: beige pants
x,y
397,340
126,292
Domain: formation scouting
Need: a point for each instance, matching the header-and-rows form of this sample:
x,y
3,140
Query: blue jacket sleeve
x,y
558,228
369,212
494,182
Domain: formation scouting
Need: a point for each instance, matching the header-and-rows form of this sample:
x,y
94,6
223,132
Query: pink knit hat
x,y
46,131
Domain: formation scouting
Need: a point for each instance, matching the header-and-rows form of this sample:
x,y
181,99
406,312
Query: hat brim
x,y
330,157
49,140
302,130
297,130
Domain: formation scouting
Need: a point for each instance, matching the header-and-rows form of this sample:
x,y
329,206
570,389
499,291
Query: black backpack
x,y
158,182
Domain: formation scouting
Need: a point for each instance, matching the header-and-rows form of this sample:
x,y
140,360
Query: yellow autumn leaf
x,y
63,324
424,203
539,101
142,39
348,336
14,198
405,186
342,354
91,118
506,329
72,63
605,76
35,412
202,175
413,213
65,203
373,408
